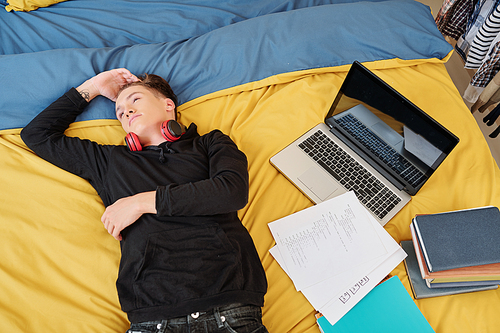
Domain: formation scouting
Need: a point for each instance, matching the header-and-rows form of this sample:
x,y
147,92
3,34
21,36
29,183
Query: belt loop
x,y
162,327
219,319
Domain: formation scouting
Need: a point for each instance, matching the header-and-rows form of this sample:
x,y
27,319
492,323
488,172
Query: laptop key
x,y
349,173
330,170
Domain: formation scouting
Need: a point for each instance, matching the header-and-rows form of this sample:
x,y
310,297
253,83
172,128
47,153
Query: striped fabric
x,y
482,41
481,12
488,69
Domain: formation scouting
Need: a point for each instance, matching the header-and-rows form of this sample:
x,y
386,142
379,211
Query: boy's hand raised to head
x,y
107,84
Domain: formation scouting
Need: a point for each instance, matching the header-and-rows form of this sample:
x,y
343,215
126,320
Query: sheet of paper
x,y
325,240
316,294
343,302
420,147
324,292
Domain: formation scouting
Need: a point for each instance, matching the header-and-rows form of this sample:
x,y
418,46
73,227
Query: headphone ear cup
x,y
171,130
133,142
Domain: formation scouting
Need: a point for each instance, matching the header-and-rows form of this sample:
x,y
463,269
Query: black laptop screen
x,y
365,101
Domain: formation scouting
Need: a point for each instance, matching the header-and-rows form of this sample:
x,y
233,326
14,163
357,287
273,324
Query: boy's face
x,y
141,111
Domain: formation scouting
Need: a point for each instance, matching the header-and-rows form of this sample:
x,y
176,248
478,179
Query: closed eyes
x,y
132,98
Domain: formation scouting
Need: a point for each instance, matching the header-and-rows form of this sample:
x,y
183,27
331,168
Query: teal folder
x,y
388,308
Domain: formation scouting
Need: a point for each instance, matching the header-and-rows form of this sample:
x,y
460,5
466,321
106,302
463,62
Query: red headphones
x,y
171,130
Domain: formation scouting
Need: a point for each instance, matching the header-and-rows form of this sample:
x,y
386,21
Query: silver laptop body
x,y
373,141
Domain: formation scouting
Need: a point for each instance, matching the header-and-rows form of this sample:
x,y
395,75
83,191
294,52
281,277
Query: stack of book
x,y
458,249
418,284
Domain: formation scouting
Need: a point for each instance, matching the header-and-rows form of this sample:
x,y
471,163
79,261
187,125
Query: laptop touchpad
x,y
320,184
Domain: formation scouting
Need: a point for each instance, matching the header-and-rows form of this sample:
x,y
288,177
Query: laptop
x,y
373,141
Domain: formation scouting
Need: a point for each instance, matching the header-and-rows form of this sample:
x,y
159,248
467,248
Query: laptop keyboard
x,y
372,193
382,150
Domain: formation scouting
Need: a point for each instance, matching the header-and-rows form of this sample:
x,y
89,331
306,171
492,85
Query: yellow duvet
x,y
59,264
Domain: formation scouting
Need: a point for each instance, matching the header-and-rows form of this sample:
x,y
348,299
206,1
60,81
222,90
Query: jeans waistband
x,y
218,314
204,315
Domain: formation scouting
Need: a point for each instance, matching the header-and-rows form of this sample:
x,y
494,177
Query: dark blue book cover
x,y
460,238
418,285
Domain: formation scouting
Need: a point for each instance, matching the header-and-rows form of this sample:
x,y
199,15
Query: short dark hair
x,y
157,85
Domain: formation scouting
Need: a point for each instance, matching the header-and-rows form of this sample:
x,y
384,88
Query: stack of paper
x,y
335,253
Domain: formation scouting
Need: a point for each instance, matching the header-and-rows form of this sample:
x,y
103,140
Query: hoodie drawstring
x,y
162,152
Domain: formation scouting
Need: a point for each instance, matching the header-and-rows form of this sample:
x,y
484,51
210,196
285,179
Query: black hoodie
x,y
194,254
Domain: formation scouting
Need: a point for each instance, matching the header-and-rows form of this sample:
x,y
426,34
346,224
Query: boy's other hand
x,y
126,211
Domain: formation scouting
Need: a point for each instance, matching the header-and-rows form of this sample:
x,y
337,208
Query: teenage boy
x,y
188,264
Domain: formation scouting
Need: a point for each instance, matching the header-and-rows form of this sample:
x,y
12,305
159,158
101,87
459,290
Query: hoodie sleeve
x,y
45,136
226,190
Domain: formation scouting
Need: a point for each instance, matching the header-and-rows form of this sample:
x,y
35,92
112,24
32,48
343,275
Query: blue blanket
x,y
247,51
97,23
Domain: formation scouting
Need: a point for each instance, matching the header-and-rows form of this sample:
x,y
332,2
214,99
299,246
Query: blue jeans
x,y
232,319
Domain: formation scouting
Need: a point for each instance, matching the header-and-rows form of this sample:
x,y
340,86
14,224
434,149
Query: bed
x,y
263,72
